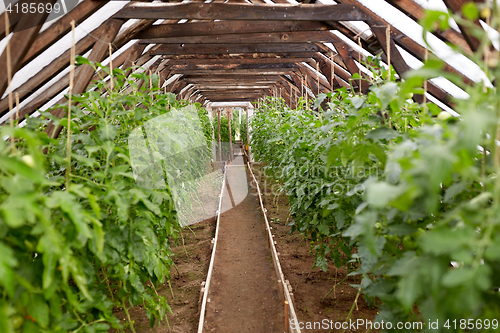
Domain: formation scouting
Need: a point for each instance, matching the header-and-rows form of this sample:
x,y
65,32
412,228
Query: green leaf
x,y
470,11
382,133
458,276
380,194
38,309
357,101
319,99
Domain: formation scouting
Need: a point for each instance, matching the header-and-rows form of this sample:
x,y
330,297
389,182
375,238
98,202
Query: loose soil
x,y
310,286
244,294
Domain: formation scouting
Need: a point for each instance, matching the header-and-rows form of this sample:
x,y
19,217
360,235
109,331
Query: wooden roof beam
x,y
26,30
251,38
223,27
181,49
229,11
61,27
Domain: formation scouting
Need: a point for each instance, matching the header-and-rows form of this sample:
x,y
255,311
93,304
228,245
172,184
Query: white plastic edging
x,y
276,262
211,266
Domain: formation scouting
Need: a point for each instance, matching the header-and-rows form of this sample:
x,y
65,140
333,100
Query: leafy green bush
x,y
69,255
407,199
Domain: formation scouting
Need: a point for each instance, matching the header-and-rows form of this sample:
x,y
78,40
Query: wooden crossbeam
x,y
229,11
171,49
259,66
278,55
252,38
235,61
277,71
223,27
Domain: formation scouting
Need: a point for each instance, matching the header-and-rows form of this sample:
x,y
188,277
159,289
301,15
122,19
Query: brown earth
x,y
244,294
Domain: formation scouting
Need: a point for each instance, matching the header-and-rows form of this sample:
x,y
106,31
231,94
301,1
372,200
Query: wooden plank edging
x,y
211,266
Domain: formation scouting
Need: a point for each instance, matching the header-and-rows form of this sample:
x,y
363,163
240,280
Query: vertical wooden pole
x,y
111,67
70,94
229,116
248,129
220,146
388,47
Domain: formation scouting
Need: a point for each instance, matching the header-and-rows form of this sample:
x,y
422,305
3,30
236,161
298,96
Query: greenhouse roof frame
x,y
240,51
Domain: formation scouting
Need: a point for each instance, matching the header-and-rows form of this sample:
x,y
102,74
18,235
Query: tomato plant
x,y
407,198
69,255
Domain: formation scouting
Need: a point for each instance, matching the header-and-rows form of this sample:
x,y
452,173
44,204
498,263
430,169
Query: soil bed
x,y
310,287
244,294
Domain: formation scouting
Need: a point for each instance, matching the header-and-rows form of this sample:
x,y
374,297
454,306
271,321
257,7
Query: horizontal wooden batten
x,y
223,27
277,55
214,62
226,77
194,67
173,49
232,11
260,38
276,71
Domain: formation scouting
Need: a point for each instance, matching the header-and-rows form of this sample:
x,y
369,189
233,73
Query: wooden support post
x,y
229,111
220,145
248,130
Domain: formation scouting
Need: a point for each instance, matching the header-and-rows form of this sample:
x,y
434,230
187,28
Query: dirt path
x,y
244,294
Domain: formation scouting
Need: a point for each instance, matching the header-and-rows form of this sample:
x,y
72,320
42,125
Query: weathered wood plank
x,y
13,19
194,67
58,29
417,12
236,61
25,32
277,55
223,27
228,11
277,71
456,7
325,67
404,41
260,38
171,49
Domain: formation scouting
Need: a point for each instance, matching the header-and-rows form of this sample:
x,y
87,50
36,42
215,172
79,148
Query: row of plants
x,y
79,238
404,194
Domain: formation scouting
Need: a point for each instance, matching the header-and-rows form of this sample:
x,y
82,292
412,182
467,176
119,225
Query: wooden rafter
x,y
62,26
417,12
25,32
456,7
